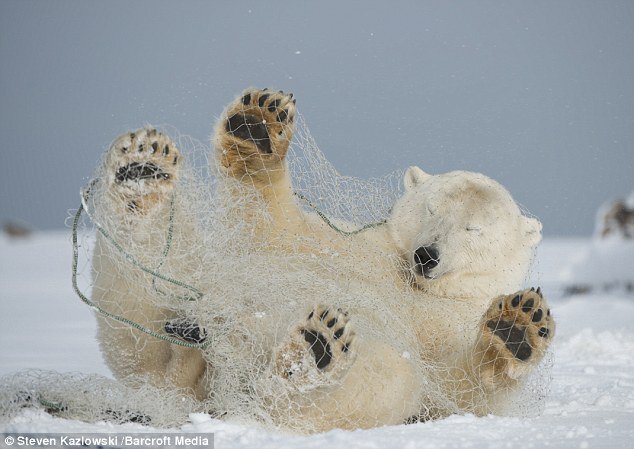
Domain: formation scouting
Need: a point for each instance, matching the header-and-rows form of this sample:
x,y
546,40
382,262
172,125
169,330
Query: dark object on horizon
x,y
16,230
606,265
616,218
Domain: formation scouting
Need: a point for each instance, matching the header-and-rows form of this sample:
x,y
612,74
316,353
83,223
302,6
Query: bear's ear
x,y
413,177
533,230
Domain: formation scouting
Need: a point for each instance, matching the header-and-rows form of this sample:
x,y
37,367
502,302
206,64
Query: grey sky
x,y
538,95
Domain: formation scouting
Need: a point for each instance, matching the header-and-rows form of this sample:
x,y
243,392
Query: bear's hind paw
x,y
320,350
514,335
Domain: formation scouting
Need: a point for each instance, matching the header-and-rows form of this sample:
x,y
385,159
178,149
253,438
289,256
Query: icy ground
x,y
591,404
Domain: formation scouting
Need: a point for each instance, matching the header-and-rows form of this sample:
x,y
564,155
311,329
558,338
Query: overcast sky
x,y
538,95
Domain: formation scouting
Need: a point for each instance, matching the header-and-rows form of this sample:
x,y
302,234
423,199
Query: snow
x,y
591,404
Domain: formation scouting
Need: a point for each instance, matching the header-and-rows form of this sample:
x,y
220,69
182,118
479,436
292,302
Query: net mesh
x,y
93,398
254,282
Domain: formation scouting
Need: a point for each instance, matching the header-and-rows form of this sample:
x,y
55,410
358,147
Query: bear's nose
x,y
426,259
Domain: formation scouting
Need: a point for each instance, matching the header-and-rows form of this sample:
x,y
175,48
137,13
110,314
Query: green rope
x,y
51,406
166,250
131,259
198,294
332,225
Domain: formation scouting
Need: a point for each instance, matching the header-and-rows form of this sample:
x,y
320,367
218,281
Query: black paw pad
x,y
516,301
248,127
185,330
528,305
246,99
543,332
319,347
262,100
537,316
273,105
136,171
282,116
514,338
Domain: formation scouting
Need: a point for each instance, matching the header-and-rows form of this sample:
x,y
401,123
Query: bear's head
x,y
462,234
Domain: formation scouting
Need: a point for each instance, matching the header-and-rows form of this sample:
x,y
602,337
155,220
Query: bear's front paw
x,y
254,136
319,351
142,168
514,335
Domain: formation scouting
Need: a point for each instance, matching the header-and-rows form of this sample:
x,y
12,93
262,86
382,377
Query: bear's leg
x,y
253,137
318,351
141,170
251,144
515,332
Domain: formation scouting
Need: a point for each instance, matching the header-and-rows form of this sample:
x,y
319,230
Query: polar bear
x,y
458,238
442,265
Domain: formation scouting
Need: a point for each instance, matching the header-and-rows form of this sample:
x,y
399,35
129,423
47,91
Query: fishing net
x,y
93,398
265,289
